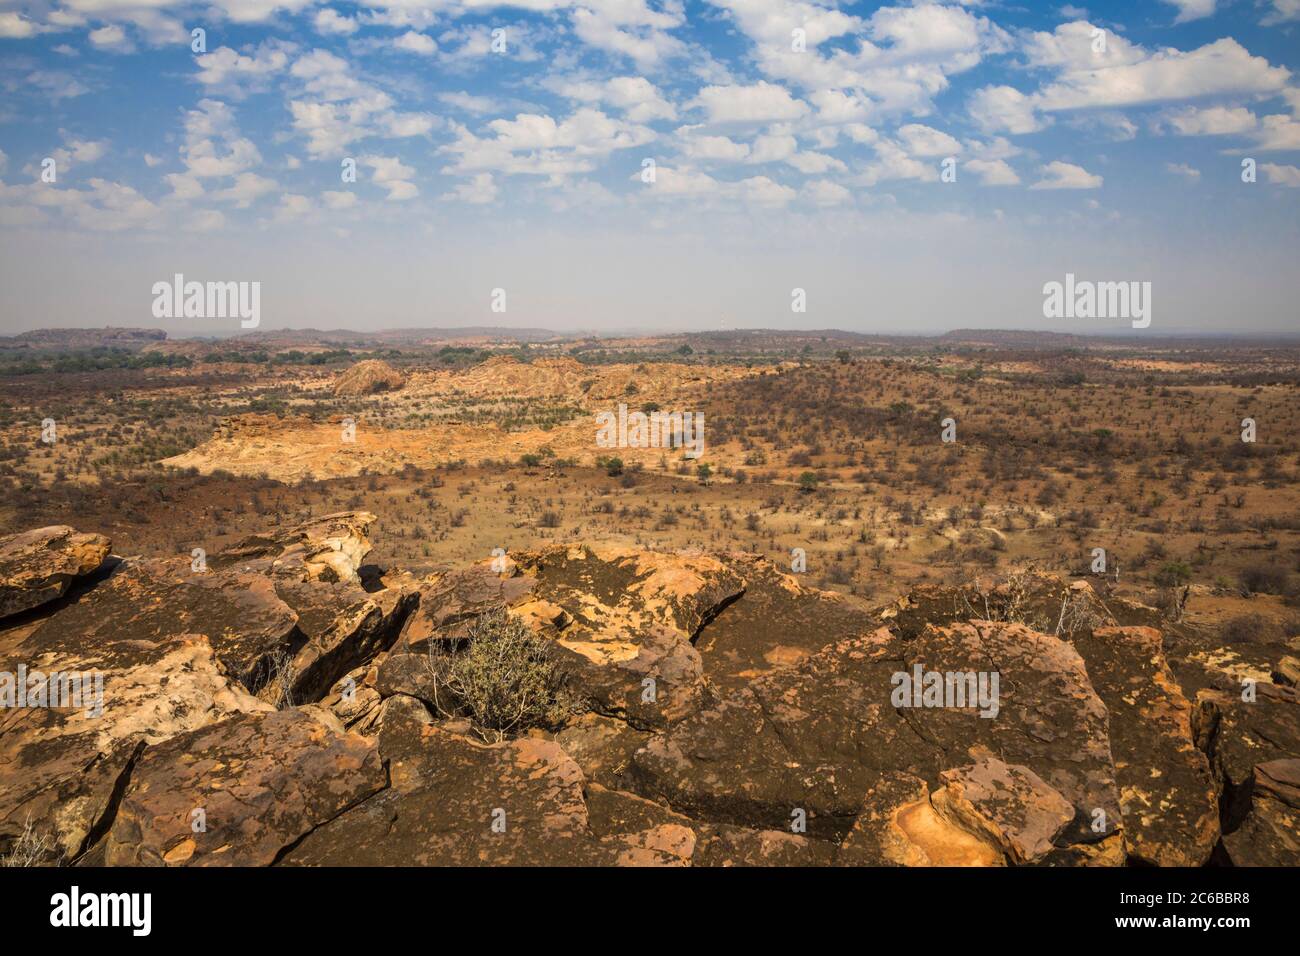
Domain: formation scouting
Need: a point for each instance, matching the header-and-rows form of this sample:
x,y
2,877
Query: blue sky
x,y
1105,140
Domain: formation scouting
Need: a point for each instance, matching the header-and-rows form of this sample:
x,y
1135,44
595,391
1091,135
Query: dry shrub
x,y
505,678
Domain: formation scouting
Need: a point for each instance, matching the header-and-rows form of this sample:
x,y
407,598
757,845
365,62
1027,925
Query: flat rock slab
x,y
449,604
261,780
59,768
37,566
147,601
776,622
456,802
1167,792
819,736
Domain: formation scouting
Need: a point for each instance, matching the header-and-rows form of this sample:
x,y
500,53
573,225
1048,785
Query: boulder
x,y
61,768
37,566
1168,795
240,792
820,736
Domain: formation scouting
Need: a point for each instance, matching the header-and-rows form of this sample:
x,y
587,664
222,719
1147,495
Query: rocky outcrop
x,y
1167,793
276,704
60,768
240,792
1252,737
368,377
38,566
816,738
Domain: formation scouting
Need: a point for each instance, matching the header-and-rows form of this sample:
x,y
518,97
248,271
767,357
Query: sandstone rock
x,y
900,826
603,747
37,566
1167,792
630,618
60,768
328,548
262,781
1253,747
148,601
448,604
368,377
449,791
1010,807
776,622
819,736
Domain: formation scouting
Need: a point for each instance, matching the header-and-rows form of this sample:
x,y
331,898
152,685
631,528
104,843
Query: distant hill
x,y
70,339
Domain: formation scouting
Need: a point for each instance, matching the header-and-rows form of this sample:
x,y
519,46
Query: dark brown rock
x,y
37,566
262,780
819,736
1167,792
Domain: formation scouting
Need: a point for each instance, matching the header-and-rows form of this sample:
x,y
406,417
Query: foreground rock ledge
x,y
282,699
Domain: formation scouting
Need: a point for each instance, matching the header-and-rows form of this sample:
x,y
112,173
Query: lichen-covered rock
x,y
819,736
37,566
240,792
1167,792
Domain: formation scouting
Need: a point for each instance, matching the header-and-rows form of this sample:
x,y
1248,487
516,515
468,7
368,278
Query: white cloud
x,y
292,207
213,146
1278,132
1192,9
479,190
1218,68
823,192
1283,11
342,109
924,141
78,151
339,199
413,42
762,102
235,74
328,22
246,189
533,144
1182,169
1004,109
993,172
471,103
15,26
638,98
392,174
1125,74
1059,175
1282,175
1211,121
205,220
112,38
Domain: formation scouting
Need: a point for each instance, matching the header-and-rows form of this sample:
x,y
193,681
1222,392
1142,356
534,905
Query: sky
x,y
639,165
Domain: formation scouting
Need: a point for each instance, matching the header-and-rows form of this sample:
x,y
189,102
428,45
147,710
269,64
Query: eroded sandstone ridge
x,y
280,703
